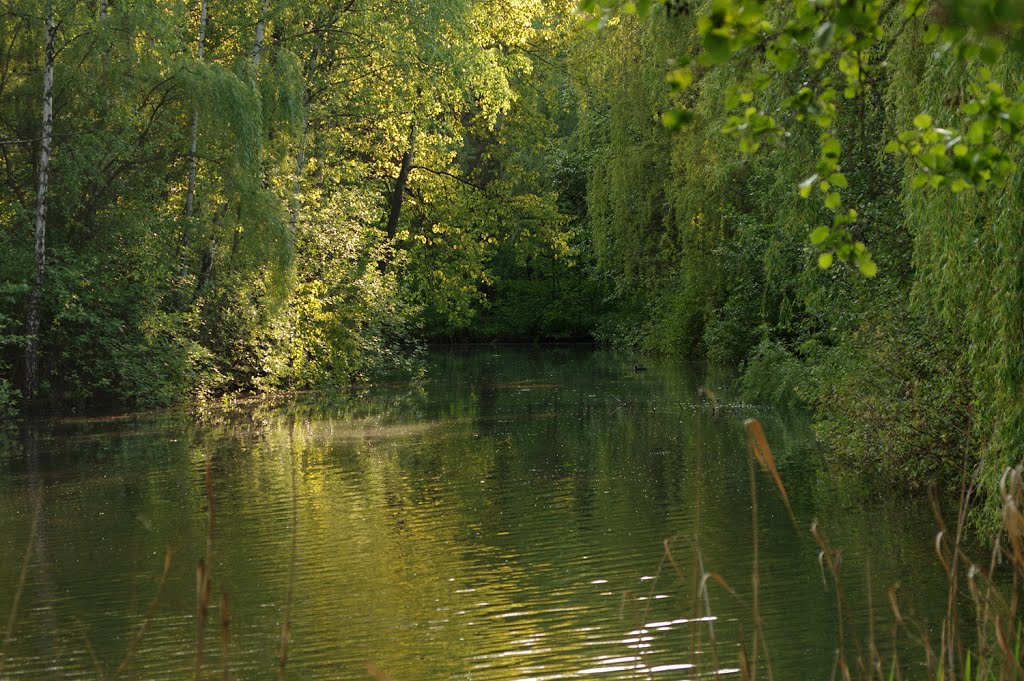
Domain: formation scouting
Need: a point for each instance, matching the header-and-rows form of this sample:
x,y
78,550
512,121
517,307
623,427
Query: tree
x,y
42,188
914,111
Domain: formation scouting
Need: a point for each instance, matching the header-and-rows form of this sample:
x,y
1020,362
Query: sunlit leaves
x,y
970,159
843,36
751,129
680,78
676,119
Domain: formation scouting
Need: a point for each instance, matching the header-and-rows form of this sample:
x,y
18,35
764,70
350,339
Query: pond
x,y
519,514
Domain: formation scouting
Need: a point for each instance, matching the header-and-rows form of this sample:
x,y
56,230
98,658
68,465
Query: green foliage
x,y
894,400
860,135
773,375
275,274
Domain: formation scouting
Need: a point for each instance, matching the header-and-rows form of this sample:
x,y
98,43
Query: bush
x,y
773,375
894,399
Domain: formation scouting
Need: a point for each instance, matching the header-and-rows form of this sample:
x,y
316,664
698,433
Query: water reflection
x,y
504,520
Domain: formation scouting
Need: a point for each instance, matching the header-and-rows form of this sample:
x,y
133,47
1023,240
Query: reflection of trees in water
x,y
413,505
35,574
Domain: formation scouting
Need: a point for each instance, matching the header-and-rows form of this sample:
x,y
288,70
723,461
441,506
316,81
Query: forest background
x,y
217,196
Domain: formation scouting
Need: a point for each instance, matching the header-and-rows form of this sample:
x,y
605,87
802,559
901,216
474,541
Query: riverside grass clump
x,y
981,637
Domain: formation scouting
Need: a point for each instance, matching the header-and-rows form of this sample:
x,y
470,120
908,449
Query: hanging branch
x,y
191,193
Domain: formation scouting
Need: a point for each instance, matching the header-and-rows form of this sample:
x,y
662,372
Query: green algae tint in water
x,y
503,520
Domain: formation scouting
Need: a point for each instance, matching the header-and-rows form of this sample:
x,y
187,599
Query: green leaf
x,y
831,147
867,267
675,119
819,235
833,201
839,180
680,78
825,260
717,48
922,121
807,185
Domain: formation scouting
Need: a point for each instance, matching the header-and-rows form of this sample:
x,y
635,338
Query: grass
x,y
991,650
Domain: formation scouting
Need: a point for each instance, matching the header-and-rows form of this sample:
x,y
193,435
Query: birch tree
x,y
42,187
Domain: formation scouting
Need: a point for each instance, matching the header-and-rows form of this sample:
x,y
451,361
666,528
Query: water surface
x,y
505,519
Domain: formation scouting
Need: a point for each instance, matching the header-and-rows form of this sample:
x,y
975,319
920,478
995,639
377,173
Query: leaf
x,y
717,48
807,185
825,260
830,147
680,78
867,267
674,119
833,201
922,121
758,445
819,235
839,180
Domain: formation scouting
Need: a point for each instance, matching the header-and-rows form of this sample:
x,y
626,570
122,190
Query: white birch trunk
x,y
261,29
36,295
300,157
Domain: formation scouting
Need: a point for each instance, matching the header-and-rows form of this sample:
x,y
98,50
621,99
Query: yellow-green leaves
x,y
838,243
675,119
729,26
680,78
807,186
970,159
751,129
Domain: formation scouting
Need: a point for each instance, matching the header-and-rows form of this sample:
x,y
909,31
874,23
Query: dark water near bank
x,y
503,520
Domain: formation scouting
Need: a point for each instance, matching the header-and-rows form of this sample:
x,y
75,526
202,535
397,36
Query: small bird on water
x,y
638,368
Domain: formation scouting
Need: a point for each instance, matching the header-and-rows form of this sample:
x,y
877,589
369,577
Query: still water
x,y
507,518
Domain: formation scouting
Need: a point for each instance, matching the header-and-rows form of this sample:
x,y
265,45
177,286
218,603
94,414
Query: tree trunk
x,y
300,156
190,196
36,295
398,193
261,28
300,166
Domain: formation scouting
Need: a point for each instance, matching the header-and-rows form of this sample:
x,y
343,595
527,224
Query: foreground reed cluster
x,y
981,635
